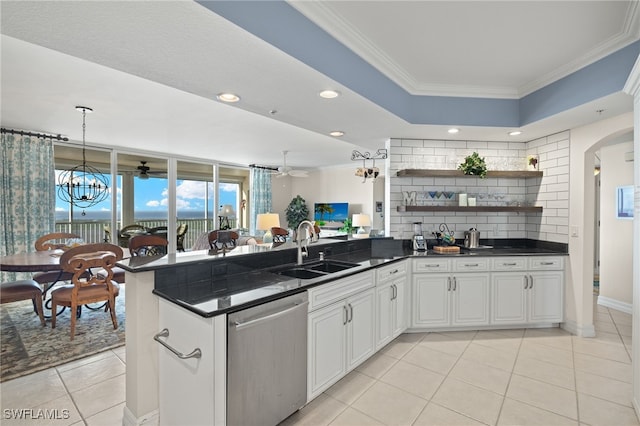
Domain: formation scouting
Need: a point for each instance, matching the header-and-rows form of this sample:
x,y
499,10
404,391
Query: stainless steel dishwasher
x,y
267,362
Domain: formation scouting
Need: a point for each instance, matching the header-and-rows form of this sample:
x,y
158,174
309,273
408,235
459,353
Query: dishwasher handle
x,y
240,325
196,353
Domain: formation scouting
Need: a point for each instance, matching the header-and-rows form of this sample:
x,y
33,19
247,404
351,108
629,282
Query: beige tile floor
x,y
507,377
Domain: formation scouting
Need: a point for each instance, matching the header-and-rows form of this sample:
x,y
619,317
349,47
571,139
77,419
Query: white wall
x,y
585,141
333,185
616,244
281,196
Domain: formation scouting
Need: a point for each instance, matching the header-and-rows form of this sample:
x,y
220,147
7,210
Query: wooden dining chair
x,y
279,234
215,244
96,288
125,233
148,245
15,291
53,241
181,232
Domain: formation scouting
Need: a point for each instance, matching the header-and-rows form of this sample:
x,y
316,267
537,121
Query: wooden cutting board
x,y
446,249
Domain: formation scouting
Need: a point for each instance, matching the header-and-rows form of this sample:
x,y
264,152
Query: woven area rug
x,y
27,347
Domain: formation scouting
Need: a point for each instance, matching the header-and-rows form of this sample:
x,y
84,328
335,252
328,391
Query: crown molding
x,y
323,15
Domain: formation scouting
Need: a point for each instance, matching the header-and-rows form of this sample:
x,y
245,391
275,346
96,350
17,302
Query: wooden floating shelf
x,y
522,209
506,174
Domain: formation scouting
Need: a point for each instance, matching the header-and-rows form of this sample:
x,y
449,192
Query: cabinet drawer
x,y
428,265
510,264
469,265
391,272
331,292
543,263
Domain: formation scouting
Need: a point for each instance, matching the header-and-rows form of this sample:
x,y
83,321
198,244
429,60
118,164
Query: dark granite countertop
x,y
243,278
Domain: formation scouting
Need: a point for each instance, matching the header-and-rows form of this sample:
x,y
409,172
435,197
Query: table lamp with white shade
x,y
360,221
266,221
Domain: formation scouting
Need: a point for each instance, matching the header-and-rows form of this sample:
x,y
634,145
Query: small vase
x,y
533,163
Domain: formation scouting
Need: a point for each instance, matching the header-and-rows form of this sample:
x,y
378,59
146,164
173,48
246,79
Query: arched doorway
x,y
585,141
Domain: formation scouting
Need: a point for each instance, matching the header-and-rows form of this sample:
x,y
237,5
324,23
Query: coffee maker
x,y
419,243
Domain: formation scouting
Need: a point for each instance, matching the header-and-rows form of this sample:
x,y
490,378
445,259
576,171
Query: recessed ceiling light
x,y
453,130
337,133
228,97
515,133
329,94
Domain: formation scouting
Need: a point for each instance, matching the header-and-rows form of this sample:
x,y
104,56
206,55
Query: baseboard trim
x,y
627,308
572,327
149,419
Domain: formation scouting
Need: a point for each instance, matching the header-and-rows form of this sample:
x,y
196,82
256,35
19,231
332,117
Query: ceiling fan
x,y
285,170
145,171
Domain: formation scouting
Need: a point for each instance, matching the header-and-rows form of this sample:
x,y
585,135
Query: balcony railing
x,y
94,231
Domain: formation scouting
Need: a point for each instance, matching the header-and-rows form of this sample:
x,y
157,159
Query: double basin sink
x,y
314,269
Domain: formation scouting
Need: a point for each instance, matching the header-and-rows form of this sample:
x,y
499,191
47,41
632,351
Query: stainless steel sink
x,y
302,273
315,269
330,266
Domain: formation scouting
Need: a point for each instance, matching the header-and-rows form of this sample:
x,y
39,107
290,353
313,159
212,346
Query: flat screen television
x,y
330,215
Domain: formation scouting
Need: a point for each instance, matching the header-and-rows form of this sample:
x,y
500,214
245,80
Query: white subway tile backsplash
x,y
478,145
556,137
403,150
415,143
549,192
455,144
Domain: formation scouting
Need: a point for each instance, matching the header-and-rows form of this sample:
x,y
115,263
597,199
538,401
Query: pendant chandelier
x,y
83,185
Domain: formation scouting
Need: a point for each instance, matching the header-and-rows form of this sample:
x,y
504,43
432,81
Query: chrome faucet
x,y
303,250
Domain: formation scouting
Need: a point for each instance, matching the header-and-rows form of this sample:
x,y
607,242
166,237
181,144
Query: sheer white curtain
x,y
27,201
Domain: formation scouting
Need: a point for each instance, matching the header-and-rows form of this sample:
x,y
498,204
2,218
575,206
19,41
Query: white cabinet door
x,y
360,328
400,300
188,388
327,347
391,318
470,294
546,296
384,320
431,299
509,298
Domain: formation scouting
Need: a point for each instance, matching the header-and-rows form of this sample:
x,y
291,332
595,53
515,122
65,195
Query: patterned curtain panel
x,y
260,194
27,201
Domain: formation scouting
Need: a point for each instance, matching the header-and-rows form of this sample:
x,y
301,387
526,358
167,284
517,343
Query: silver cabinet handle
x,y
531,280
547,263
471,264
455,283
509,264
345,316
437,265
448,283
196,353
395,292
526,282
351,312
395,271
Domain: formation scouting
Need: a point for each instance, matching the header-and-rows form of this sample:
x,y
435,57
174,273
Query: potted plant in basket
x,y
474,165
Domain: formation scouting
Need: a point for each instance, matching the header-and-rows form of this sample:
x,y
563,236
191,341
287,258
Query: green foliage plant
x,y
474,165
346,226
296,212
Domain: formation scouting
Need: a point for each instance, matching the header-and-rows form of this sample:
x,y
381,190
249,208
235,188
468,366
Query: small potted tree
x,y
296,212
